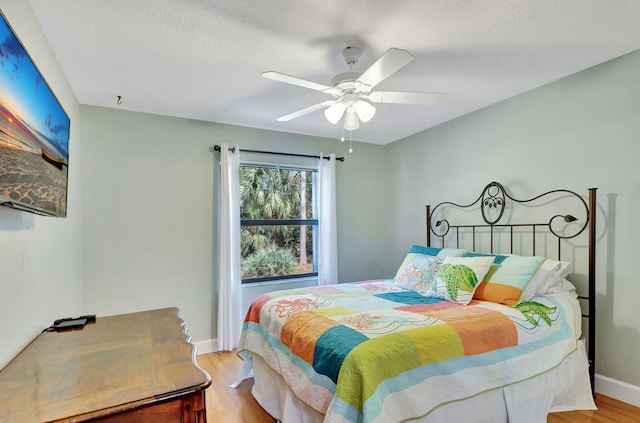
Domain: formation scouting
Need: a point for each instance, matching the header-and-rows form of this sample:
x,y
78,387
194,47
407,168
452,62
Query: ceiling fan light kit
x,y
334,112
364,110
351,121
352,91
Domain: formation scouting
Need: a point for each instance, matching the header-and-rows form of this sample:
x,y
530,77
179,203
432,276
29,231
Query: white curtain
x,y
229,283
328,237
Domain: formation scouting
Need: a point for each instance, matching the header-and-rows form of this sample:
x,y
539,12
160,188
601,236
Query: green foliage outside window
x,y
269,261
270,193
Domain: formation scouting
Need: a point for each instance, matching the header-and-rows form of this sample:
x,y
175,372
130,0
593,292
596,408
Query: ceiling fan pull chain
x,y
350,149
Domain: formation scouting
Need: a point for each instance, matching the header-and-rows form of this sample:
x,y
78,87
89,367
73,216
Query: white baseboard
x,y
617,389
207,346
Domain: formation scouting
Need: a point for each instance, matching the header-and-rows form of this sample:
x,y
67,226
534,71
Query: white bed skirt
x,y
564,388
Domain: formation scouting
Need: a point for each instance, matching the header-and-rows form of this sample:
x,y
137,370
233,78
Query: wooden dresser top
x,y
117,363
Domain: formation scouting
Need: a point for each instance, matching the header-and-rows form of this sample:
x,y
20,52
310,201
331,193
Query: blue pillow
x,y
498,259
428,251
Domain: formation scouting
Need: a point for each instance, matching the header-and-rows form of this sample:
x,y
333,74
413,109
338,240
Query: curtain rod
x,y
275,153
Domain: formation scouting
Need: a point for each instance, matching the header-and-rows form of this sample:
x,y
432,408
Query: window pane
x,y
275,193
270,251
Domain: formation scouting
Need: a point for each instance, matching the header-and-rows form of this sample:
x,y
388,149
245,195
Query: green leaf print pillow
x,y
420,266
458,278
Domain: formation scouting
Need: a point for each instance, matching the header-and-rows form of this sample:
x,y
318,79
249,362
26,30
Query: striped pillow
x,y
505,282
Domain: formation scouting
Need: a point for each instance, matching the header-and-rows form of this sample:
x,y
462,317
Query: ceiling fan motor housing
x,y
346,82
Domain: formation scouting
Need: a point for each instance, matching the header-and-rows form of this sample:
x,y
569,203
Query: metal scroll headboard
x,y
492,204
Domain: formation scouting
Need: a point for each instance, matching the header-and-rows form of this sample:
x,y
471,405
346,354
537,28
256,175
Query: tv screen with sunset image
x,y
34,134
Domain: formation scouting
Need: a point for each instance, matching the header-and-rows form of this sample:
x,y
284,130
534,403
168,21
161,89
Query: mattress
x,y
563,388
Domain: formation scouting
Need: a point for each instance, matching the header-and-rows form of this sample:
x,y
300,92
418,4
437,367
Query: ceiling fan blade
x,y
288,79
399,97
335,112
306,110
389,63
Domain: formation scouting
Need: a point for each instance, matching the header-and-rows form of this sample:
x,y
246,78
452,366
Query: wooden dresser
x,y
137,367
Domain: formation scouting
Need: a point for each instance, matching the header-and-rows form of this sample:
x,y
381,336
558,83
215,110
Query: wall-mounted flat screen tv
x,y
34,134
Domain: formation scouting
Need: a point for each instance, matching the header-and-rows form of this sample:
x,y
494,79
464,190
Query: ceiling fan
x,y
352,91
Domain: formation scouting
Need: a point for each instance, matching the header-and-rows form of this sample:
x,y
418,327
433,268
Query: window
x,y
278,237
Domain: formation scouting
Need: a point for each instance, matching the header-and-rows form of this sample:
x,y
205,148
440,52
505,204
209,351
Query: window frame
x,y
313,222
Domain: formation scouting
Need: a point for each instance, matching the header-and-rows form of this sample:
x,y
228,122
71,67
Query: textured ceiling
x,y
202,59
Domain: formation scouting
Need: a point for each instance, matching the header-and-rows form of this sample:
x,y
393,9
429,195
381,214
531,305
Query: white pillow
x,y
564,286
550,273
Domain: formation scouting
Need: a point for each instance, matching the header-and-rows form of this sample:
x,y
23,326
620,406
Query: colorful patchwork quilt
x,y
375,352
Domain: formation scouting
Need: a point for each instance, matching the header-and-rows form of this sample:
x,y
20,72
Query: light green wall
x,y
579,132
145,246
40,257
148,198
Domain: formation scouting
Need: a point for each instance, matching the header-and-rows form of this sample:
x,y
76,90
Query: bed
x,y
480,324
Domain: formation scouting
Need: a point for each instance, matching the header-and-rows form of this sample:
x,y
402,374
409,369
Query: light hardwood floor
x,y
225,404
